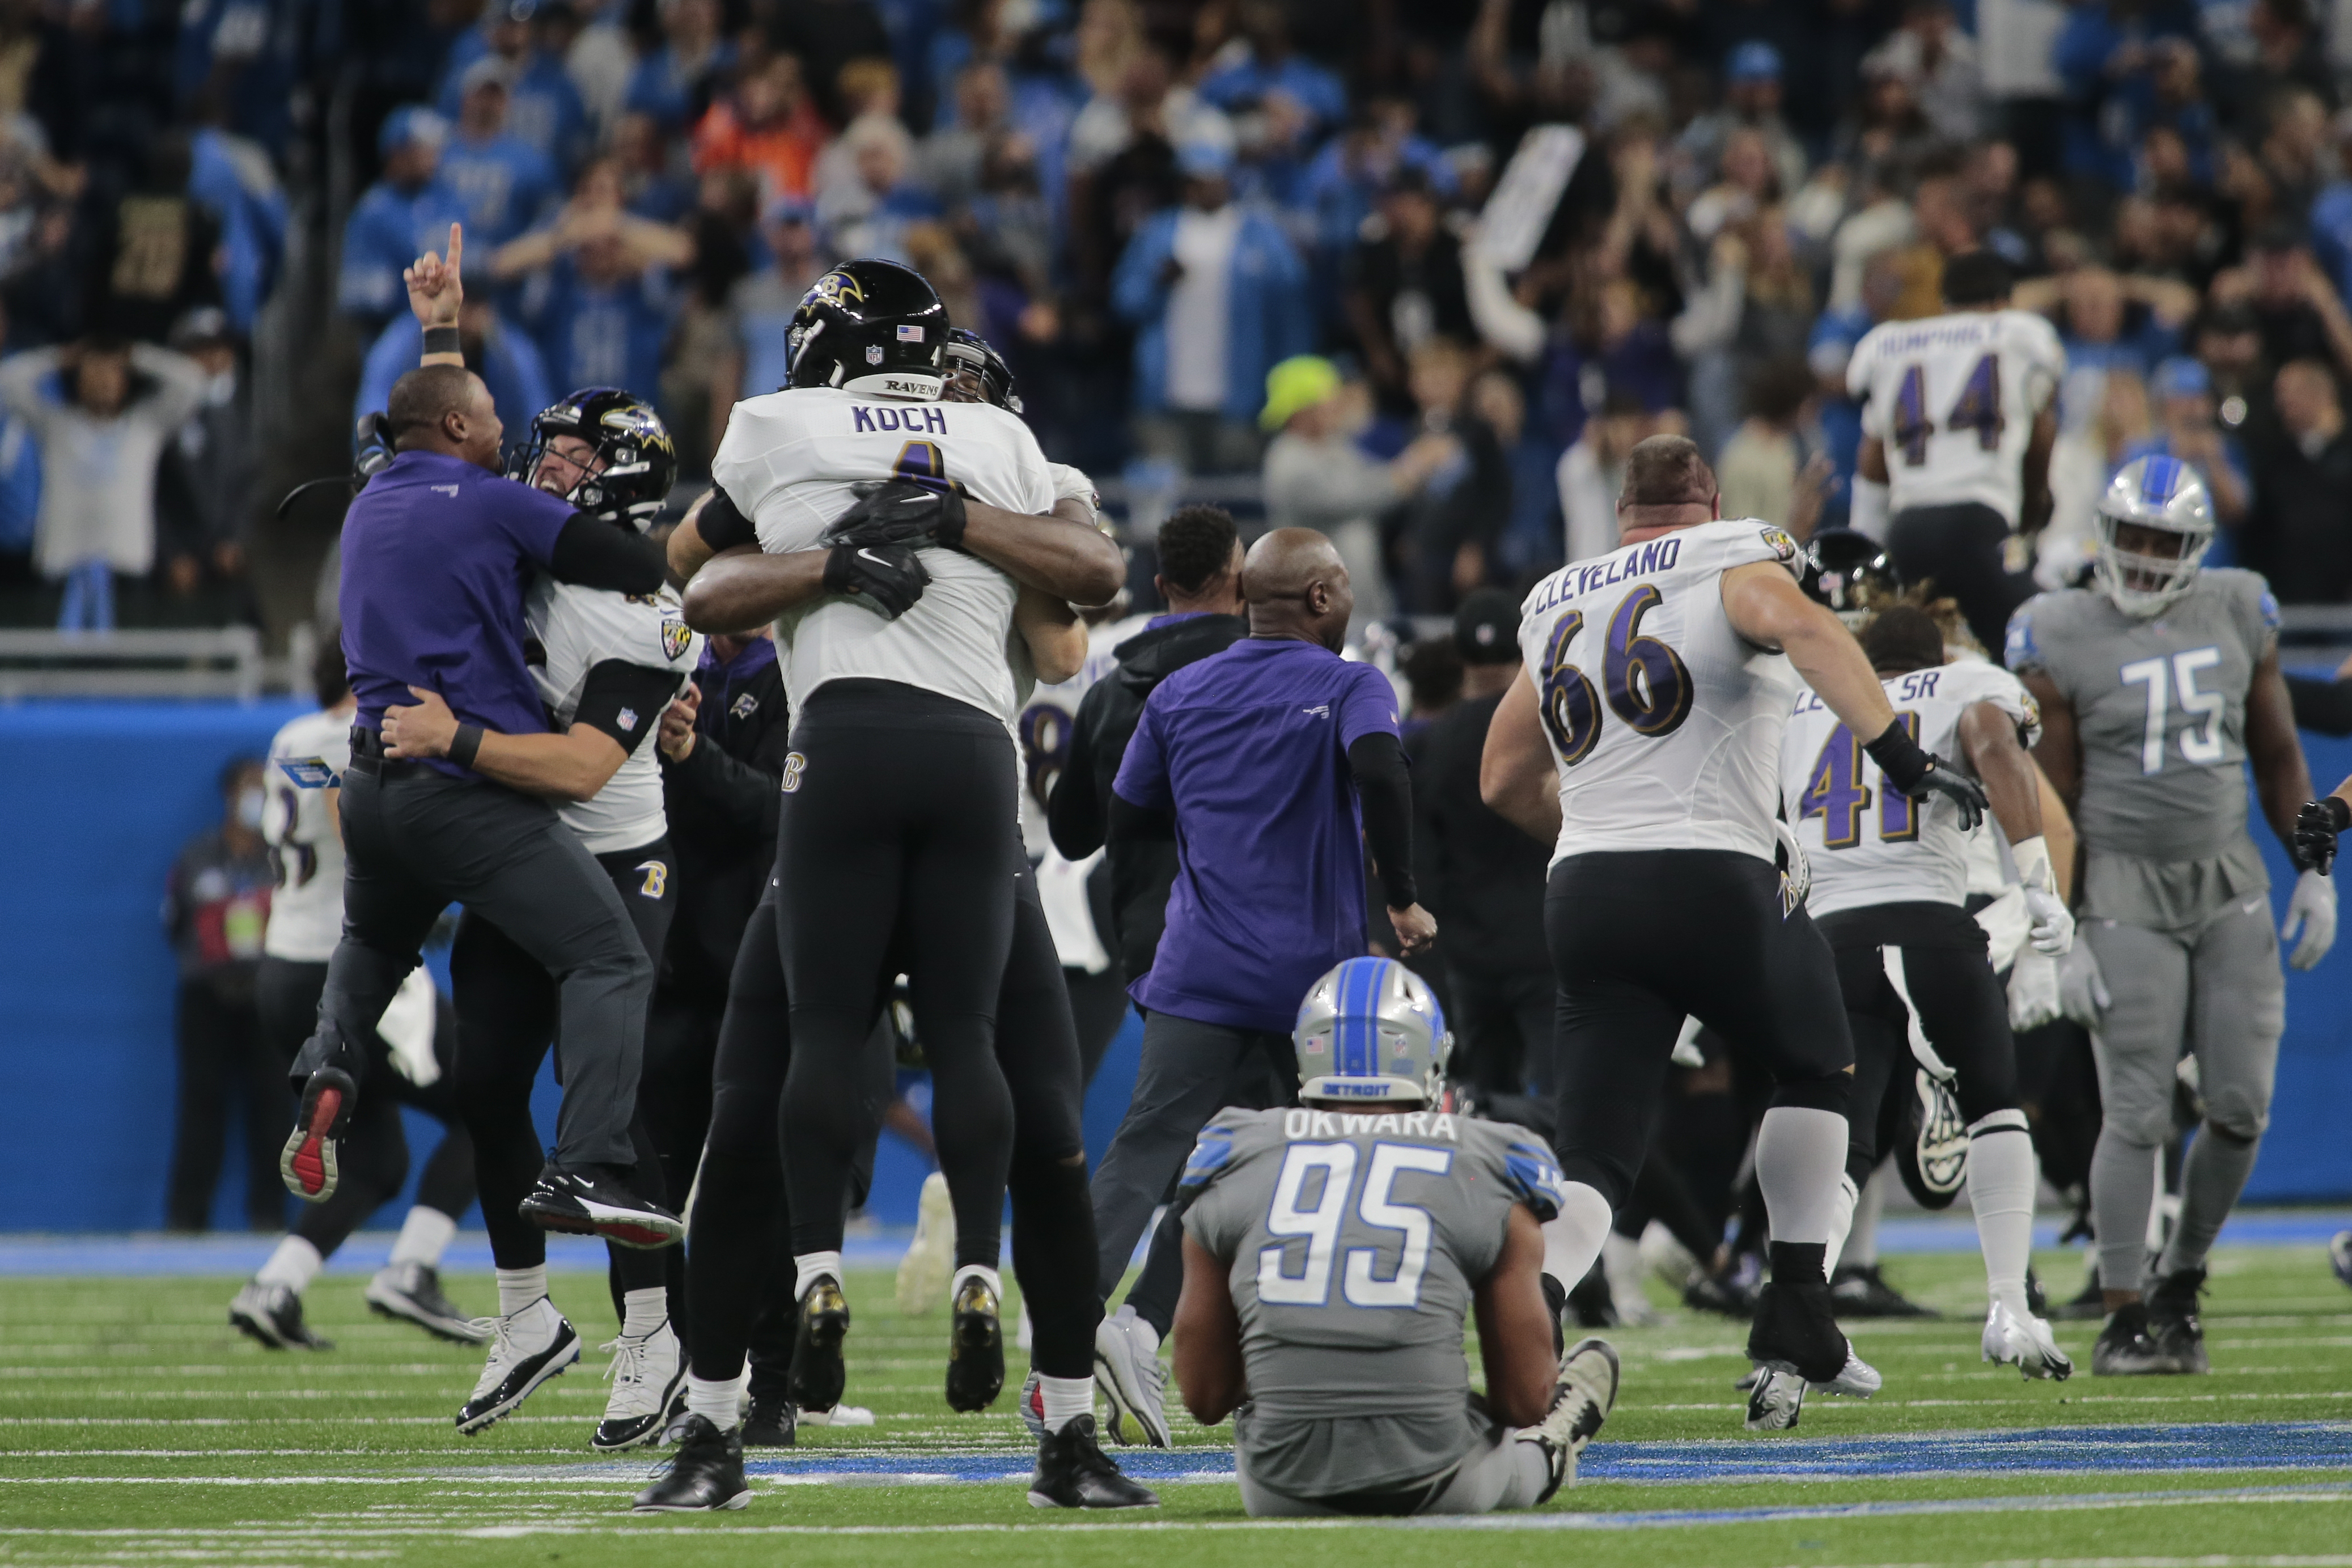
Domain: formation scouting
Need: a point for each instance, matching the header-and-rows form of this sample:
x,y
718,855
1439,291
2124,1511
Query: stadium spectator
x,y
870,210
1404,282
401,215
505,357
504,182
672,85
205,489
215,909
543,108
1751,102
2296,536
1762,471
766,125
760,309
2183,391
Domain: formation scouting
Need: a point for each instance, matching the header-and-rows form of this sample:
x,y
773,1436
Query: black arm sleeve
x,y
1385,788
2322,705
1075,815
625,700
593,554
722,525
1129,822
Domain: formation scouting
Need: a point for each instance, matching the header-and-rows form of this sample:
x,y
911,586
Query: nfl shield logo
x,y
873,354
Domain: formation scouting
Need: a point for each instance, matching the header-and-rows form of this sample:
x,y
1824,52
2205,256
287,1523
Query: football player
x,y
1643,737
2158,684
1888,888
605,666
1333,1252
1958,417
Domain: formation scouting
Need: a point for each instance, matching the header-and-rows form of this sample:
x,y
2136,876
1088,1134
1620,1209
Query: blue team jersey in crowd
x,y
600,335
506,184
388,229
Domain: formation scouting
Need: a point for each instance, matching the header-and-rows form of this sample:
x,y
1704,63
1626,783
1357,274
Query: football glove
x,y
888,576
2316,828
901,512
2082,989
2053,928
1912,770
2311,911
2032,991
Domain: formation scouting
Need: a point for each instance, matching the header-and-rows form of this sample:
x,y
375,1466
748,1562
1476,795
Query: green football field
x,y
137,1428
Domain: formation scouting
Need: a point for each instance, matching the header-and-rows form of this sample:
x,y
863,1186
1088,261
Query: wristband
x,y
464,746
443,340
2032,857
1899,757
836,570
951,519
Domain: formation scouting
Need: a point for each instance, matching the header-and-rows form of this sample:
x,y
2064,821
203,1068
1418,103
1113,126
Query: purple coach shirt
x,y
436,555
1249,750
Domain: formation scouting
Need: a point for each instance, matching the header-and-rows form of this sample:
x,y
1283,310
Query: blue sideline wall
x,y
97,798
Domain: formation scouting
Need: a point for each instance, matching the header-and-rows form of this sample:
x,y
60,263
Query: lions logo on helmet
x,y
1371,1030
2154,526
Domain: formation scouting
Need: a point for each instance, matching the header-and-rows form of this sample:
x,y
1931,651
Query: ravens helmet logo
x,y
836,288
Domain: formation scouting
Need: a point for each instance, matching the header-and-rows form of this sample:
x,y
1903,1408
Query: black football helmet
x,y
870,326
640,458
1851,573
970,355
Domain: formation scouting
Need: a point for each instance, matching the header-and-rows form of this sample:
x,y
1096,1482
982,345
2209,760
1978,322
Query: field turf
x,y
137,1428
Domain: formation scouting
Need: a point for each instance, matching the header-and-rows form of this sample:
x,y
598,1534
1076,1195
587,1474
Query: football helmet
x,y
870,326
1371,1029
640,460
1851,573
969,353
2158,493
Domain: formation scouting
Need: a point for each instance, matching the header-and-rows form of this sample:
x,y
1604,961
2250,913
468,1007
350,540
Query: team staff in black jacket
x,y
1201,581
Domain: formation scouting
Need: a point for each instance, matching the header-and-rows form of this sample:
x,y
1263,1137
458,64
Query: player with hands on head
x,y
1333,1254
2158,684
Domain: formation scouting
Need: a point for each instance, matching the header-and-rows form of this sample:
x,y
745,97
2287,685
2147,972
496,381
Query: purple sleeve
x,y
534,525
1143,772
1368,707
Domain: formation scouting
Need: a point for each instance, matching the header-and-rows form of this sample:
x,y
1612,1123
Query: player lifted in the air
x,y
2157,684
1958,416
1659,680
1332,1253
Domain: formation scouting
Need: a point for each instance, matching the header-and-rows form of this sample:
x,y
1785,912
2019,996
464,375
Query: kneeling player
x,y
1331,1253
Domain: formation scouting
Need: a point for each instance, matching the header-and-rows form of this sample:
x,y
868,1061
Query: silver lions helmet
x,y
1371,1029
2154,526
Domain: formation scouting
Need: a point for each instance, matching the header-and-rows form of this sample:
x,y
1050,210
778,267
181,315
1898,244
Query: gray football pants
x,y
2216,991
1502,1473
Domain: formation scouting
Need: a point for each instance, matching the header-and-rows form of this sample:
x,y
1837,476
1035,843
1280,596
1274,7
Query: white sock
x,y
424,1236
1800,1155
811,1265
2000,1190
982,1272
1840,1224
294,1265
642,1311
1066,1399
519,1288
1862,1241
1572,1238
719,1403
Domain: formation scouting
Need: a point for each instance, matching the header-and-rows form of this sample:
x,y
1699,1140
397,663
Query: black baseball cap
x,y
1487,627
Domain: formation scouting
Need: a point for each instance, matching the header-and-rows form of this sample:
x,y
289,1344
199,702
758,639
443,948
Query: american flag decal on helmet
x,y
911,334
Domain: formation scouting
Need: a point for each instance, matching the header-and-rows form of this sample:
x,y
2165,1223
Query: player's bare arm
x,y
740,589
688,552
1065,555
1055,636
1208,1338
1516,776
574,765
2034,511
1871,461
2059,750
2282,778
1515,1327
2012,785
2058,832
1768,609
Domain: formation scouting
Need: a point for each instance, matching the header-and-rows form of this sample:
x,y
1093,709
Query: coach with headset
x,y
436,552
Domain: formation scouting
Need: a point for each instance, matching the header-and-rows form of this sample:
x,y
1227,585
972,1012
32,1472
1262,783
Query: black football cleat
x,y
412,1293
1074,1472
1860,1291
822,1322
705,1477
2126,1348
527,1348
1555,1295
593,1200
975,1348
2172,1320
773,1424
1593,1303
272,1314
1796,1332
307,1164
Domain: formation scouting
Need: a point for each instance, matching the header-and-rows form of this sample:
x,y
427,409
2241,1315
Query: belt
x,y
367,755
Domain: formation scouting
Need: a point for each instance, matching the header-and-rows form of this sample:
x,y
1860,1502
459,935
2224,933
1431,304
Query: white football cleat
x,y
1620,1264
1775,1400
527,1348
1127,1370
931,1257
1856,1379
645,1373
2025,1342
839,1415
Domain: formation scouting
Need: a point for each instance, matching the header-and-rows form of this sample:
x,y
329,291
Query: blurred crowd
x,y
1424,270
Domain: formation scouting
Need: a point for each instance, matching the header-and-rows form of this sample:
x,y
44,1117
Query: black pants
x,y
1641,939
509,1010
1962,1011
418,841
735,1269
221,1056
1502,1027
373,1159
1097,1006
1961,551
898,849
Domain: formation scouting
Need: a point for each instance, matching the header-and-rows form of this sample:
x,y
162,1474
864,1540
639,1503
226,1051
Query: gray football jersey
x,y
2160,705
1354,1242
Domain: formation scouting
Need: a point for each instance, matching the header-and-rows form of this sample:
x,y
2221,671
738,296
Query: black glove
x,y
901,512
2316,827
1912,770
889,574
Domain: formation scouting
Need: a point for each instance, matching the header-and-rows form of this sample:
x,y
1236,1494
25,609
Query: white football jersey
x,y
1871,845
789,462
1665,722
1953,398
307,758
577,630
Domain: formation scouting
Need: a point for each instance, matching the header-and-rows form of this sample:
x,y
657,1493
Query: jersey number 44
x,y
1977,408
